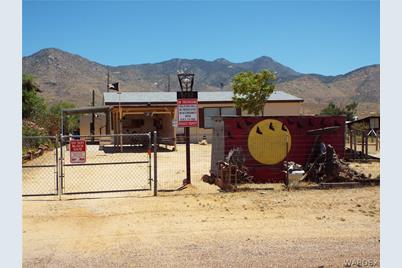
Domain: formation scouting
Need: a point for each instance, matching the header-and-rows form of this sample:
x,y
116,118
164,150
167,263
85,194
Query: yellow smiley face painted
x,y
267,141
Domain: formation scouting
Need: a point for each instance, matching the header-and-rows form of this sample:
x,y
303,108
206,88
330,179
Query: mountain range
x,y
65,76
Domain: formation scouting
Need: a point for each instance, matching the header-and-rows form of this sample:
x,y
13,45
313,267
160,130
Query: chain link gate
x,y
39,165
114,163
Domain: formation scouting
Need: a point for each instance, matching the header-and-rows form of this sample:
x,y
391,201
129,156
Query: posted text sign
x,y
187,112
78,150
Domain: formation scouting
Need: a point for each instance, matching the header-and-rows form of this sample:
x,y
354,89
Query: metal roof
x,y
170,97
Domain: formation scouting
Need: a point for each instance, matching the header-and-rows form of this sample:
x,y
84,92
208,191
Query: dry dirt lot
x,y
270,228
369,169
171,171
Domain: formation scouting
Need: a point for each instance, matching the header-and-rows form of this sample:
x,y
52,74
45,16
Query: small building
x,y
368,123
360,132
149,111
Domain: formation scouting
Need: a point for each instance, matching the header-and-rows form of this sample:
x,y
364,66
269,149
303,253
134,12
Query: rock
x,y
203,142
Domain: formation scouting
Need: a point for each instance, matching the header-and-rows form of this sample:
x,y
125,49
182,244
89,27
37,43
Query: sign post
x,y
78,150
187,108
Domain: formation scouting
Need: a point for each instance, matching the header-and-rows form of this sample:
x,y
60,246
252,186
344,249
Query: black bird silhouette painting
x,y
238,125
259,131
271,126
229,135
284,128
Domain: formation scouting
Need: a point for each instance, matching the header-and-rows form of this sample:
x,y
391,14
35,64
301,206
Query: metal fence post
x,y
149,159
287,163
57,164
366,145
60,178
155,164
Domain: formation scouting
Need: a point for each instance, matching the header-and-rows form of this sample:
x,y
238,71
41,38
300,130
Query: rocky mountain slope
x,y
65,76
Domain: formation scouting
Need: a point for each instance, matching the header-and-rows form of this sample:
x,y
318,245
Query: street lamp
x,y
186,81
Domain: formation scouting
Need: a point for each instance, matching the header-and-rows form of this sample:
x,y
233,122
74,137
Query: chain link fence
x,y
141,162
39,165
206,156
171,166
362,145
112,163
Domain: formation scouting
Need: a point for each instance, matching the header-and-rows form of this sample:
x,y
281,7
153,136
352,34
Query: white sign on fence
x,y
78,150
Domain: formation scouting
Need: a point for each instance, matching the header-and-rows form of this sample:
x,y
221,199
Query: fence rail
x,y
115,165
141,162
39,165
112,164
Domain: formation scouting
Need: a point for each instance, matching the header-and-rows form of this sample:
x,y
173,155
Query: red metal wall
x,y
237,131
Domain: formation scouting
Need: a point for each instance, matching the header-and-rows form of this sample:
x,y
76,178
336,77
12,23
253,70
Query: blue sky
x,y
326,37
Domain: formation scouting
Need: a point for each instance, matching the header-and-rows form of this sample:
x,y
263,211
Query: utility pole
x,y
108,82
93,118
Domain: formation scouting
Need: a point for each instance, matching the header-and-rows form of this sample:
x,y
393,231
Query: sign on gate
x,y
187,107
78,150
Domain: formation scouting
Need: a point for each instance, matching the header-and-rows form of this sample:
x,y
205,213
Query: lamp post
x,y
186,81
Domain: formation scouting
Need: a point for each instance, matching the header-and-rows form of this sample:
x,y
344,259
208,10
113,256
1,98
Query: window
x,y
228,111
209,113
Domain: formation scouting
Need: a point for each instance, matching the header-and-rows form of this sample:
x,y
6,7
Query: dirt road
x,y
312,228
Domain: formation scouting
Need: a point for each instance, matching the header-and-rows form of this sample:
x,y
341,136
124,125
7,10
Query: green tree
x,y
71,122
251,90
33,105
331,109
349,110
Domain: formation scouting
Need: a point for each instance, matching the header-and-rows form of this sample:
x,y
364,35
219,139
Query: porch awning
x,y
87,110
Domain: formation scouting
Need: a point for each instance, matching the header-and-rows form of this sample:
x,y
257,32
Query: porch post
x,y
107,122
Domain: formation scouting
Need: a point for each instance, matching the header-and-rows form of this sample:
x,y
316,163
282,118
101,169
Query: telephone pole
x,y
93,118
108,82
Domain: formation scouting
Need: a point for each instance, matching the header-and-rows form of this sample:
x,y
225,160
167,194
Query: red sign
x,y
187,112
78,150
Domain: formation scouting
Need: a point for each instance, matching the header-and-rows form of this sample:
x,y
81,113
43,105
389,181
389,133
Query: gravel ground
x,y
271,228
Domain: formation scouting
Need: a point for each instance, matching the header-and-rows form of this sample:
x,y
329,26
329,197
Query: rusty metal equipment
x,y
328,168
230,172
322,166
